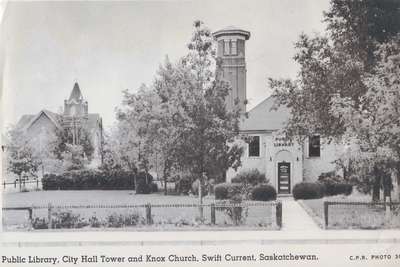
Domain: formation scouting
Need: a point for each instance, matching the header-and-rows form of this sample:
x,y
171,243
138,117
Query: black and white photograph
x,y
268,117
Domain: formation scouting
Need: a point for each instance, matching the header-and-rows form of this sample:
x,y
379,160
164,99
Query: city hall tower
x,y
232,63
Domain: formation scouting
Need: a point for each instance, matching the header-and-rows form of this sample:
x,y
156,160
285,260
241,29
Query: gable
x,y
42,121
263,118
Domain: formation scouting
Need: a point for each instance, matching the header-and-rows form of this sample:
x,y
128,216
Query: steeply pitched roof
x,y
24,121
28,120
262,118
76,93
54,118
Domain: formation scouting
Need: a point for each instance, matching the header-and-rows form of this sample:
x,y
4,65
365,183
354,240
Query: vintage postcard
x,y
200,133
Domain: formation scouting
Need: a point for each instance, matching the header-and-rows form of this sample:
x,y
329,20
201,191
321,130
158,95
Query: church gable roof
x,y
27,120
263,118
24,121
53,117
76,93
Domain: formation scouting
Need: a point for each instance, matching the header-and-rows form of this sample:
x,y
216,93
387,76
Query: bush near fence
x,y
253,214
97,180
251,177
263,192
334,184
227,190
306,190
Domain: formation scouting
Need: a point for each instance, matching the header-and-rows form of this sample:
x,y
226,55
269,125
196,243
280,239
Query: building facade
x,y
74,119
285,162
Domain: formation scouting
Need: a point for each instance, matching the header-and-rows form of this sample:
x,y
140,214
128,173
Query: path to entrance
x,y
295,218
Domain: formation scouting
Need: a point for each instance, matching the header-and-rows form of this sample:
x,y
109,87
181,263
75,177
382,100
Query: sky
x,y
110,46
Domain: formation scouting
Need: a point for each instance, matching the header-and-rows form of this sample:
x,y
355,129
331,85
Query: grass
x,y
163,218
350,216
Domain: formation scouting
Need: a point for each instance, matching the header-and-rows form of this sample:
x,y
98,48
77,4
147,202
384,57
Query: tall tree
x,y
375,124
21,155
335,63
182,117
338,89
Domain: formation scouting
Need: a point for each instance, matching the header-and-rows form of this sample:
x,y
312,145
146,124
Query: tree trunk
x,y
376,187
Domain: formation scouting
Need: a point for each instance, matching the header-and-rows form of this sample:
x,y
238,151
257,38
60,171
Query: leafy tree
x,y
21,156
375,124
335,64
337,93
182,117
64,138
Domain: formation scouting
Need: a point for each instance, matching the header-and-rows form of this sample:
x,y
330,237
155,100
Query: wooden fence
x,y
148,207
22,183
386,209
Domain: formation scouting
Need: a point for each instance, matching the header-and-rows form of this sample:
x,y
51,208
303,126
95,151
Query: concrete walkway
x,y
295,218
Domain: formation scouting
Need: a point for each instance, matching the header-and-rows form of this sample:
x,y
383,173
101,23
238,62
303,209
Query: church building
x,y
74,118
284,162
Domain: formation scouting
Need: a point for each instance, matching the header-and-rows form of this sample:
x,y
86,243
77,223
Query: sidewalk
x,y
295,218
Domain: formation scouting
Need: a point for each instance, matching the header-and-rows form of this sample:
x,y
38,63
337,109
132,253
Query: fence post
x,y
37,183
326,212
15,183
49,213
4,184
30,210
387,210
279,214
212,213
148,213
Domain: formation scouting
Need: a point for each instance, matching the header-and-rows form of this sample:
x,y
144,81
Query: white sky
x,y
111,46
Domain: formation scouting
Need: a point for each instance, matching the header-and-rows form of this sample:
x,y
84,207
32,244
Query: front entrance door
x,y
283,178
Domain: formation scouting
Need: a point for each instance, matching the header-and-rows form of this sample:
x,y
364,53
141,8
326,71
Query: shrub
x,y
67,219
119,220
184,184
227,191
142,187
195,188
307,190
154,187
89,180
334,184
252,177
263,192
39,223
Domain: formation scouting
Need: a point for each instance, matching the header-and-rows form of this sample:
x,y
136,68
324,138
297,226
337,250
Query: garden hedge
x,y
252,177
263,192
306,190
334,184
94,180
227,190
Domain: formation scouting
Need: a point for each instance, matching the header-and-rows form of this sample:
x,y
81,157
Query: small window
x,y
226,47
314,146
254,146
233,48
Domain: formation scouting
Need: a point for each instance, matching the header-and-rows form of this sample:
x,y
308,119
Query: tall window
x,y
314,146
233,48
227,49
254,146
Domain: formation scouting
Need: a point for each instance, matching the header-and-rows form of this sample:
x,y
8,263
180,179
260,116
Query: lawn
x,y
351,216
168,218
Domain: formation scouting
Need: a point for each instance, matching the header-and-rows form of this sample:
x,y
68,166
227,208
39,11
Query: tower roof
x,y
76,93
232,30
